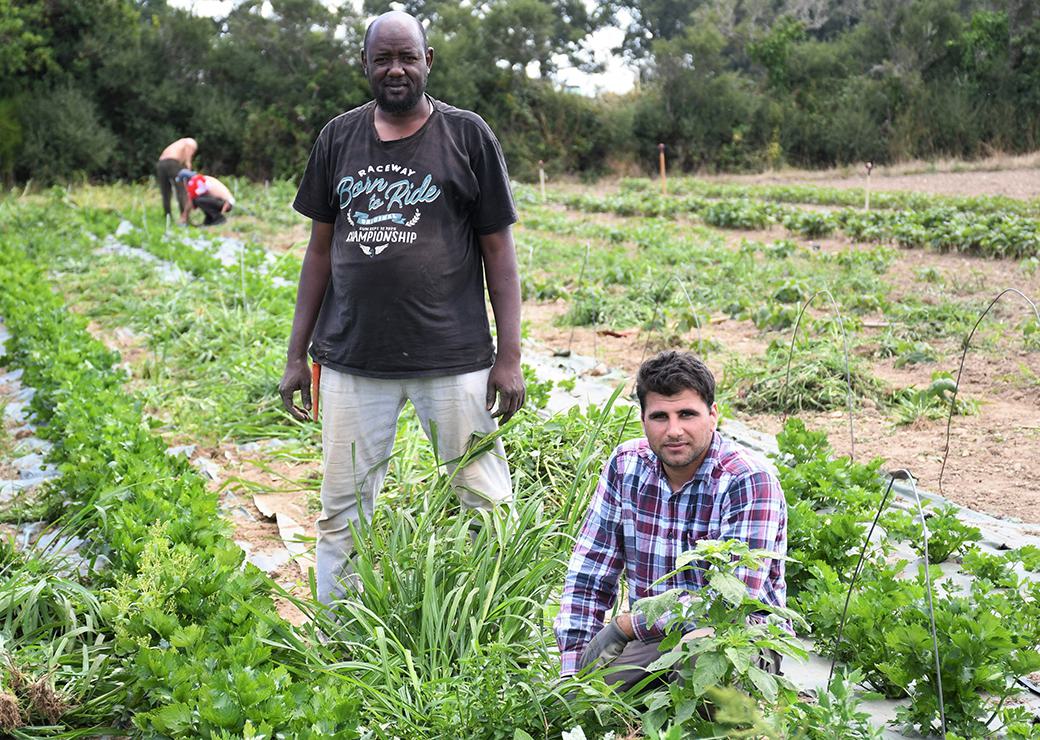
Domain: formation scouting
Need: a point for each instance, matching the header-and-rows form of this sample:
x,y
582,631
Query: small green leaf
x,y
731,588
173,719
765,683
666,661
740,657
653,607
708,671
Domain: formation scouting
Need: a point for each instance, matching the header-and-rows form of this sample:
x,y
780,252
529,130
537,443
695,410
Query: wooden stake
x,y
541,177
866,191
664,177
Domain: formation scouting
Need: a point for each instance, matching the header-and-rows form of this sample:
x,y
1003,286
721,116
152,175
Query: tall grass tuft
x,y
446,631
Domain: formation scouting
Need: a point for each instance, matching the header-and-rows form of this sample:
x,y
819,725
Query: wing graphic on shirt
x,y
373,251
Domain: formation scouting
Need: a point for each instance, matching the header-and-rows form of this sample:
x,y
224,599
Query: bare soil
x,y
1014,177
245,475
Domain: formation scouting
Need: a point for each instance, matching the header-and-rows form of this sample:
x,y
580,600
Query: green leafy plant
x,y
836,712
933,402
996,569
830,500
981,652
880,603
947,534
728,657
1029,555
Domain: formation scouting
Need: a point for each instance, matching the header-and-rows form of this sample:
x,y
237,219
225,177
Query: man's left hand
x,y
506,381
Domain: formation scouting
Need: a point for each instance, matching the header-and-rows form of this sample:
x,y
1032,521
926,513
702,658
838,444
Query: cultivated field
x,y
142,363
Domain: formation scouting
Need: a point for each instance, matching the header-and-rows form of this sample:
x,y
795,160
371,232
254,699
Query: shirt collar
x,y
711,460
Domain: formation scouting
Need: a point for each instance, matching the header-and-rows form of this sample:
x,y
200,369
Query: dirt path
x,y
1014,177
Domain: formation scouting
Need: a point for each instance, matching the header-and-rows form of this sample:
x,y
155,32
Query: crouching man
x,y
656,498
208,194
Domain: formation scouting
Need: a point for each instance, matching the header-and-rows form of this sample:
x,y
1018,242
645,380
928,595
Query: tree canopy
x,y
99,87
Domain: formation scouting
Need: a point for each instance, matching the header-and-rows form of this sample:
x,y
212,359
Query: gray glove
x,y
608,643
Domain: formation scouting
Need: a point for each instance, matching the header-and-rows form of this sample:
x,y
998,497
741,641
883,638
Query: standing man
x,y
174,158
657,496
206,193
410,211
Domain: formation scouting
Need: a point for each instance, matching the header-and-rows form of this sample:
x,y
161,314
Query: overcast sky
x,y
617,78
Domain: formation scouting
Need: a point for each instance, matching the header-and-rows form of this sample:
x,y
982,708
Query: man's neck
x,y
392,126
679,477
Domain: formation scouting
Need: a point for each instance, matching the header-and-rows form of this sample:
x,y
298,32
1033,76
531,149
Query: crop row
x,y
182,628
828,196
988,628
943,228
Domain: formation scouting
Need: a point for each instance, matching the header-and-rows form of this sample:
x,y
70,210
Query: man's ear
x,y
429,57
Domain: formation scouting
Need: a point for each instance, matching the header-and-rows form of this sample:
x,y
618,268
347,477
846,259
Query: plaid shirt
x,y
636,523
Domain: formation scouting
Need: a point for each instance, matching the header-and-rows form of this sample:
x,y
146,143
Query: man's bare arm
x,y
314,280
503,281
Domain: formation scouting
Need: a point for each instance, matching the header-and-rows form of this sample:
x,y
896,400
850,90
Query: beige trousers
x,y
359,422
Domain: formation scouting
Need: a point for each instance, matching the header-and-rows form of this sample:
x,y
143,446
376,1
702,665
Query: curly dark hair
x,y
672,372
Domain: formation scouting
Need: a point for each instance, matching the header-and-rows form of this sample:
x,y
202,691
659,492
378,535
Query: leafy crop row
x,y
1002,233
187,626
828,196
988,633
199,646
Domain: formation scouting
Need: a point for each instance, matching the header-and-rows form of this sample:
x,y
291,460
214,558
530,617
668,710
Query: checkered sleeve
x,y
753,510
647,631
592,575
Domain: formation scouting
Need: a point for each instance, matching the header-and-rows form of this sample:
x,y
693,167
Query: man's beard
x,y
398,105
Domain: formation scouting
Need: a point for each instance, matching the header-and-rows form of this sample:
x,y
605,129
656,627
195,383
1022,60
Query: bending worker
x,y
208,194
174,158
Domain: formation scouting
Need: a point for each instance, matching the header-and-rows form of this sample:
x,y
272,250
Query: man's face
x,y
397,65
679,429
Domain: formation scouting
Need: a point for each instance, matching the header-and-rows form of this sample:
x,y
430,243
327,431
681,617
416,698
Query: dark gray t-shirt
x,y
406,295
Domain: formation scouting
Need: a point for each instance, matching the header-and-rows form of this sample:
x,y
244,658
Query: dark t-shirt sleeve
x,y
313,198
494,209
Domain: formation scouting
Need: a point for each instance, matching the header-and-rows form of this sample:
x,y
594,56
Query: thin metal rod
x,y
848,376
960,370
931,606
693,311
855,573
646,344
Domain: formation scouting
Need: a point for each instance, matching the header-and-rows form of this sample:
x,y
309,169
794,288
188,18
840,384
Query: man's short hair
x,y
368,33
671,373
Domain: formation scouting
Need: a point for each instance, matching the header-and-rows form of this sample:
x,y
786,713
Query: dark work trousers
x,y
211,206
166,173
629,668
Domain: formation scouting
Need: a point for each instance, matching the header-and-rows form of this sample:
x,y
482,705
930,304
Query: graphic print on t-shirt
x,y
383,205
